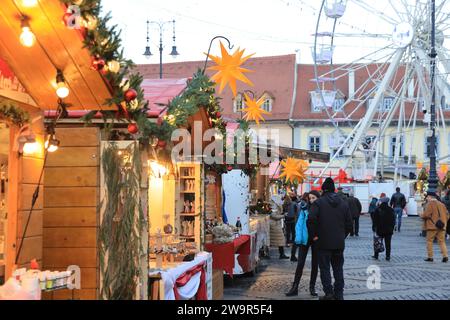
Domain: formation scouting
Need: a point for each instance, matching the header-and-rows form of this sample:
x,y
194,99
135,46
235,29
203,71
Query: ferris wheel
x,y
387,86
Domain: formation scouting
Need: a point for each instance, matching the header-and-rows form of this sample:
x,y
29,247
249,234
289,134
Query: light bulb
x,y
29,3
51,144
62,91
30,147
27,37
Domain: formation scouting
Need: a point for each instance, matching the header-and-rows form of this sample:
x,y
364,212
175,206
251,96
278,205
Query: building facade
x,y
287,86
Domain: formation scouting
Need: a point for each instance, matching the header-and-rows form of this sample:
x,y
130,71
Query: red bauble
x,y
218,114
133,128
229,168
98,64
162,144
130,95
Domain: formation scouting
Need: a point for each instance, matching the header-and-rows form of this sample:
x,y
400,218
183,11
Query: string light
x,y
62,91
27,37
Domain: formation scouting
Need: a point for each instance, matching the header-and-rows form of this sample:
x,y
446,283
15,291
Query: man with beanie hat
x,y
330,222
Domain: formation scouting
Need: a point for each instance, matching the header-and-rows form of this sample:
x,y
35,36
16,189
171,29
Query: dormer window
x,y
238,103
268,102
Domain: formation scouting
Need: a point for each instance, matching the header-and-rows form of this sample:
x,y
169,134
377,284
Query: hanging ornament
x,y
229,168
90,22
130,95
218,114
114,66
162,144
98,64
134,104
253,110
229,69
133,128
294,170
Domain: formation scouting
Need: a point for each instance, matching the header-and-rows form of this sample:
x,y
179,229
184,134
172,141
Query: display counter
x,y
182,280
225,255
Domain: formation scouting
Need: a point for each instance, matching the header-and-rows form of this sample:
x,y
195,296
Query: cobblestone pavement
x,y
405,277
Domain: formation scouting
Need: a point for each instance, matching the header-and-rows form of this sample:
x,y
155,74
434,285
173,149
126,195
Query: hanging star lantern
x,y
253,110
294,170
229,69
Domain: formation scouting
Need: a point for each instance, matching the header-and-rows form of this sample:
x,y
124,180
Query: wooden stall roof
x,y
56,47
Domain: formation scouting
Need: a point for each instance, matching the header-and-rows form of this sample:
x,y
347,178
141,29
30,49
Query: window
x,y
314,143
386,104
338,104
238,103
428,146
334,151
394,146
267,105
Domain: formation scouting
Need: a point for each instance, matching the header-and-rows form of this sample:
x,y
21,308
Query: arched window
x,y
238,103
268,102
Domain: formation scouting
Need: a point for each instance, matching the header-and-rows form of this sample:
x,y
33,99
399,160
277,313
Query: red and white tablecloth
x,y
186,280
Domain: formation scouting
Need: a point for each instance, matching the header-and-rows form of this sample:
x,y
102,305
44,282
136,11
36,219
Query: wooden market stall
x,y
39,57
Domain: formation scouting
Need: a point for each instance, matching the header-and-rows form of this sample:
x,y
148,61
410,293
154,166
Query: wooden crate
x,y
217,284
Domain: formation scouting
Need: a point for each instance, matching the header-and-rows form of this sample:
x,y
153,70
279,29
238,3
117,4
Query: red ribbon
x,y
186,277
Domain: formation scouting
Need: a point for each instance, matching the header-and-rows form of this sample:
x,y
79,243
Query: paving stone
x,y
405,277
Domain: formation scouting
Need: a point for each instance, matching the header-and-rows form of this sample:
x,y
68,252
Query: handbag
x,y
439,224
378,244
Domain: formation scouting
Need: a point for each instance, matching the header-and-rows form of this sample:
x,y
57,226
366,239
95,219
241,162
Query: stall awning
x,y
56,47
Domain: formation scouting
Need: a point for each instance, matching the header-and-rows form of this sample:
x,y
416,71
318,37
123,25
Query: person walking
x,y
373,205
355,209
290,220
304,240
330,222
436,218
398,203
277,238
383,225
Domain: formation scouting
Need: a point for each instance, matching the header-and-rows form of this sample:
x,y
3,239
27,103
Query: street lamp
x,y
174,53
433,178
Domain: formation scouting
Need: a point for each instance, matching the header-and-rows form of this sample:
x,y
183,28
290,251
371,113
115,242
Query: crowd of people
x,y
320,222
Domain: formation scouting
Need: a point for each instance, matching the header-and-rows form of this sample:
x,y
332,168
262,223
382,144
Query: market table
x,y
185,280
224,254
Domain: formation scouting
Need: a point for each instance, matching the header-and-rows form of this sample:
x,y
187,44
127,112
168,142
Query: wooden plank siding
x,y
70,214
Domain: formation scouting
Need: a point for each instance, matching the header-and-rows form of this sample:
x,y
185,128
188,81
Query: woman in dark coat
x,y
384,223
305,242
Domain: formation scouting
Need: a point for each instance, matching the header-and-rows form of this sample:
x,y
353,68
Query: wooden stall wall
x,y
24,173
70,208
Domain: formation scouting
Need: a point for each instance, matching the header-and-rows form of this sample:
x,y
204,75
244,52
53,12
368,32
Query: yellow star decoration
x,y
229,69
294,170
253,110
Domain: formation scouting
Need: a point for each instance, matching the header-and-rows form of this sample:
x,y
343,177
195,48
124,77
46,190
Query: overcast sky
x,y
264,27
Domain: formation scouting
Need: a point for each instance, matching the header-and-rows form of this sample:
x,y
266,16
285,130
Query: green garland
x,y
13,115
120,246
104,43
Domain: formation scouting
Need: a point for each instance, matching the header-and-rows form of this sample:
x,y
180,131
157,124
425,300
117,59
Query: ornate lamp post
x,y
148,53
433,177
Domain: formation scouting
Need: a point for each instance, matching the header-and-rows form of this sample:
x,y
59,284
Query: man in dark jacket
x,y
398,203
330,222
355,209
